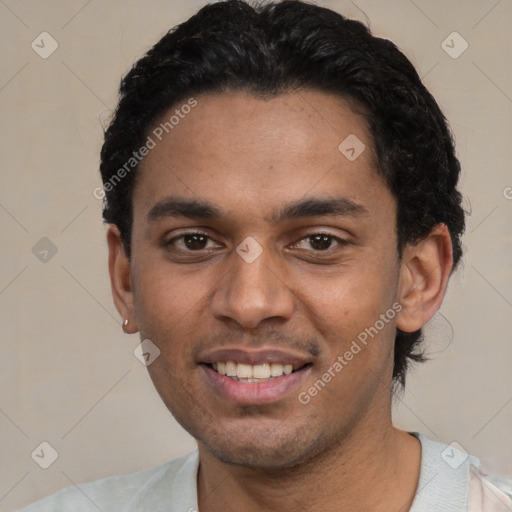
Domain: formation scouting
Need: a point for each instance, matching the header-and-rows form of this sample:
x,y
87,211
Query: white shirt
x,y
450,481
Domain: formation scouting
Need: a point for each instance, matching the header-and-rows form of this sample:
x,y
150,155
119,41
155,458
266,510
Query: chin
x,y
267,452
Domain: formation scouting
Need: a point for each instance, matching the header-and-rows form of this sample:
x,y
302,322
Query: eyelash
x,y
183,235
340,241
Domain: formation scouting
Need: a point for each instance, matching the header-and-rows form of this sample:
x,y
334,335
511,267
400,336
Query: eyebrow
x,y
180,207
204,210
317,207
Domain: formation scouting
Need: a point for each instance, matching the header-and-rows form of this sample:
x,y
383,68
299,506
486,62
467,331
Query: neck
x,y
372,469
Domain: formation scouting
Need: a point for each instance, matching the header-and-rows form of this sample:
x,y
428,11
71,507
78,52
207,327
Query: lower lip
x,y
255,392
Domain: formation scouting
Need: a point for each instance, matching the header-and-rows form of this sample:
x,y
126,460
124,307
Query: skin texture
x,y
251,157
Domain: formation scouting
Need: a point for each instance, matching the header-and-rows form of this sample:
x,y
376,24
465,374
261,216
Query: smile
x,y
258,377
242,372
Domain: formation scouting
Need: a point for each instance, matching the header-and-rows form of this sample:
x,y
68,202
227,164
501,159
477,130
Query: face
x,y
261,250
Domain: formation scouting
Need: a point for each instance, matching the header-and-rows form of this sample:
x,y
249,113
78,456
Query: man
x,y
283,219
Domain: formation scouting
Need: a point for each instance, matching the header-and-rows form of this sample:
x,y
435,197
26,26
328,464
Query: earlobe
x,y
120,279
424,273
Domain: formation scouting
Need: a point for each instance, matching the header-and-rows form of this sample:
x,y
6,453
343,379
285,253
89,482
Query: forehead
x,y
243,152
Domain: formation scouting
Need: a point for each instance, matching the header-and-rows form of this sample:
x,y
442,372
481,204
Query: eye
x,y
319,242
194,241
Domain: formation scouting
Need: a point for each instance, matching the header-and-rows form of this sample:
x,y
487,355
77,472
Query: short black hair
x,y
276,47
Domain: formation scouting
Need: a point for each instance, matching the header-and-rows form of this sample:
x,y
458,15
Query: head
x,y
256,125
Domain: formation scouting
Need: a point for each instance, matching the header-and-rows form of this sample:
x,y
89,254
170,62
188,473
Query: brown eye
x,y
195,241
320,242
192,242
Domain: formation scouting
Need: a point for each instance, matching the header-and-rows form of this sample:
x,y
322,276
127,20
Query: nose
x,y
252,293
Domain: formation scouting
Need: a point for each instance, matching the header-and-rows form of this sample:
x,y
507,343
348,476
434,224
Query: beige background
x,y
68,375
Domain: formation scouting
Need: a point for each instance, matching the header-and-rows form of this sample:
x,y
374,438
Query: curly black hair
x,y
273,48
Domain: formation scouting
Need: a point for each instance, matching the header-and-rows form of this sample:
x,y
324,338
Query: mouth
x,y
253,373
254,377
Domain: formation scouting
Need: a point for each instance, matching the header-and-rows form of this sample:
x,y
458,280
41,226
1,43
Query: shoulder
x,y
118,493
453,480
489,493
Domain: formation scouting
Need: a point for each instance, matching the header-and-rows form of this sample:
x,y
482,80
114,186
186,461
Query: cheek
x,y
166,307
346,309
167,303
345,303
357,322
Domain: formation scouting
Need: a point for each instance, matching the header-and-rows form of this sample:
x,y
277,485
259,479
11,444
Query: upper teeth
x,y
250,371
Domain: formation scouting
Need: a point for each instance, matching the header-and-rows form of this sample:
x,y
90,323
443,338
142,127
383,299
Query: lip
x,y
254,393
253,357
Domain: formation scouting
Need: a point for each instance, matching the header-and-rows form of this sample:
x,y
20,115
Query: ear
x,y
120,278
424,273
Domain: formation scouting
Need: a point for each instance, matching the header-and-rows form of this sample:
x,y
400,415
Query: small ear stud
x,y
125,324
